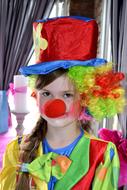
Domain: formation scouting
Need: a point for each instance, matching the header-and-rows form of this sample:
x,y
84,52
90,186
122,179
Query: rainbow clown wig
x,y
71,43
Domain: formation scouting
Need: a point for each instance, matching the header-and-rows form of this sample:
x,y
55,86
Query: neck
x,y
59,137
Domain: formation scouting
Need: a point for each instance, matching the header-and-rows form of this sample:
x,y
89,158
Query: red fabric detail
x,y
69,39
54,108
97,150
32,183
53,162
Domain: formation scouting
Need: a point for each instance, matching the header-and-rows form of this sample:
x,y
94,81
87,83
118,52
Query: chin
x,y
60,122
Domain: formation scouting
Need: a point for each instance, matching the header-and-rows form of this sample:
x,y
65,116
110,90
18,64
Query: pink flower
x,y
121,144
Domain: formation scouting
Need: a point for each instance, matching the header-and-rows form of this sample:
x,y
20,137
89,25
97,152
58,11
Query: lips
x,y
54,108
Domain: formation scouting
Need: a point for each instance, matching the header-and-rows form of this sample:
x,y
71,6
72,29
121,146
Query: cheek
x,y
40,104
74,109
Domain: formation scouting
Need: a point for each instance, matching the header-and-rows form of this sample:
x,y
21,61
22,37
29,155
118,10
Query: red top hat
x,y
61,40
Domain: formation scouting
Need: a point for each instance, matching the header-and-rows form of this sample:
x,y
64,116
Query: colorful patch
x,y
102,173
39,42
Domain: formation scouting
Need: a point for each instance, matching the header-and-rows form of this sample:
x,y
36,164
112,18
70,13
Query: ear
x,y
34,94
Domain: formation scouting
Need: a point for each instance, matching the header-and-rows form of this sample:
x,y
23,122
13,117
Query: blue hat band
x,y
47,67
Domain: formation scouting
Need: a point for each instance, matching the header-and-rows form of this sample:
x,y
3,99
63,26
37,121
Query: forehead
x,y
62,83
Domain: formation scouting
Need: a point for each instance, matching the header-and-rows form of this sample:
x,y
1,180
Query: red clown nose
x,y
54,108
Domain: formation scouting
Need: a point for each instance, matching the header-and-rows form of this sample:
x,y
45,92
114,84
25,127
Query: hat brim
x,y
47,67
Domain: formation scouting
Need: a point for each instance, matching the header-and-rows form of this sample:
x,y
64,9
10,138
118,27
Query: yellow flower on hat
x,y
39,42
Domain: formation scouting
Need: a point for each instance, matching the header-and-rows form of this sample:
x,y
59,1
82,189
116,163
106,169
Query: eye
x,y
46,94
68,95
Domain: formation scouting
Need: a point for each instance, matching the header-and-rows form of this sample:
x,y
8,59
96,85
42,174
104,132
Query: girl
x,y
70,88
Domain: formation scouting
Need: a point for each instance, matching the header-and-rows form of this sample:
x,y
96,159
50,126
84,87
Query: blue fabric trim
x,y
112,153
75,17
47,67
24,167
51,183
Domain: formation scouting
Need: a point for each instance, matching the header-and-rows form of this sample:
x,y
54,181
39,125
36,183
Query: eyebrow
x,y
71,91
